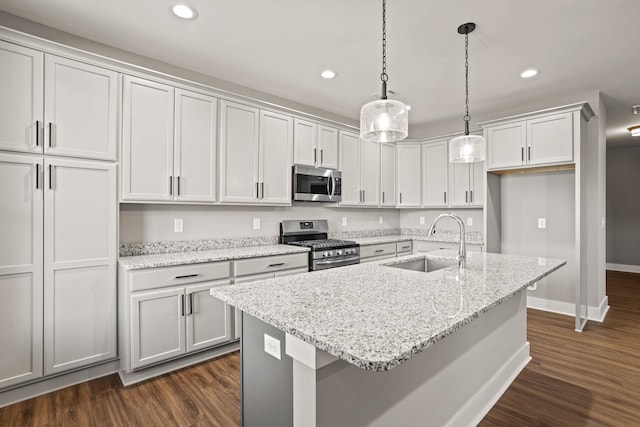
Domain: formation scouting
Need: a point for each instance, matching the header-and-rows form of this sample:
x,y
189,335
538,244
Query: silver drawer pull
x,y
377,251
277,264
186,276
406,247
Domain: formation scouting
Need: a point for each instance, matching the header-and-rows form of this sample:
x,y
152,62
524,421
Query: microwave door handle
x,y
329,187
333,186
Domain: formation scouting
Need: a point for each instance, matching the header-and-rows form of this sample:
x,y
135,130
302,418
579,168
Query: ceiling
x,y
281,46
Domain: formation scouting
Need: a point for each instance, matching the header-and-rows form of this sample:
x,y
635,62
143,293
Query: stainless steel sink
x,y
425,265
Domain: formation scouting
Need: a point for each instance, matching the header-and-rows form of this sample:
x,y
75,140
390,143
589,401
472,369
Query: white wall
x,y
153,223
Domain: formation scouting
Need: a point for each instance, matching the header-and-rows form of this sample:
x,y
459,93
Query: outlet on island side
x,y
178,225
272,346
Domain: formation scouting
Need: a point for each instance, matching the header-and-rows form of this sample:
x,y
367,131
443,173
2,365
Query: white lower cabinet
x,y
428,246
57,278
167,312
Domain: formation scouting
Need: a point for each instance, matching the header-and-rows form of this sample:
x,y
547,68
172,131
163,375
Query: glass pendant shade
x,y
384,120
466,149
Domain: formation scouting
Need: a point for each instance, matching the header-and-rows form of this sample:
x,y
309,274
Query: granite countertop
x,y
375,316
193,257
446,237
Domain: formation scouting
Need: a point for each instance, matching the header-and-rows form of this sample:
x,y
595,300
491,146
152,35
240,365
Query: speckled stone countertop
x,y
193,257
375,316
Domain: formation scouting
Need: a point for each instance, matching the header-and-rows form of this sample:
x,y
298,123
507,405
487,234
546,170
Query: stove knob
x,y
338,252
325,254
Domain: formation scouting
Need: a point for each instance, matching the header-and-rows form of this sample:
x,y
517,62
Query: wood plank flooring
x,y
587,379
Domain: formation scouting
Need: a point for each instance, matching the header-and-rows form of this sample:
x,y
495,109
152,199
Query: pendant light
x,y
466,148
384,120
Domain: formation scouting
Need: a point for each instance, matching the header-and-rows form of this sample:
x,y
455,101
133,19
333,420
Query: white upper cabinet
x,y
360,167
537,140
22,89
409,175
255,155
21,268
81,109
147,140
315,145
195,147
467,184
387,175
169,143
435,174
56,106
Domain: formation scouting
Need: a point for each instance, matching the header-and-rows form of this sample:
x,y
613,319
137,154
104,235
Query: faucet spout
x,y
462,251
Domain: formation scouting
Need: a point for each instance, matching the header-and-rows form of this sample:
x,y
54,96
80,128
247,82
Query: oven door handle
x,y
328,262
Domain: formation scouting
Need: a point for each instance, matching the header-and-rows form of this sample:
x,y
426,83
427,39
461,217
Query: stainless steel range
x,y
325,253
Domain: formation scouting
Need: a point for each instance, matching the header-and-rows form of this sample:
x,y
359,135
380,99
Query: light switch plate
x,y
256,223
272,346
178,225
421,220
542,222
344,221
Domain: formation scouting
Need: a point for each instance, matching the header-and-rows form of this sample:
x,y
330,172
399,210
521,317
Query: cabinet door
x,y
208,318
350,168
157,326
460,179
21,108
237,314
477,173
195,147
276,144
79,264
305,143
80,110
388,174
21,209
408,175
506,145
328,147
435,174
370,172
550,139
239,140
147,140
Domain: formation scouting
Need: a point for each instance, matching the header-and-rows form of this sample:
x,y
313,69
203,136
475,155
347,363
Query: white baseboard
x,y
594,313
481,403
623,267
38,388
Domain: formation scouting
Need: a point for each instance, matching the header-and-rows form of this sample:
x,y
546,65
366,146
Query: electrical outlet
x,y
469,222
344,221
256,223
421,220
380,220
272,346
542,222
178,225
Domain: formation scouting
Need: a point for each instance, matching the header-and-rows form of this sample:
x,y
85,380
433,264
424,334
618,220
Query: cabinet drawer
x,y
404,247
171,276
377,250
270,263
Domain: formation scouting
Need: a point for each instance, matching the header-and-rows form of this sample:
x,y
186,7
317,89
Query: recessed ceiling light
x,y
636,109
183,11
328,74
528,73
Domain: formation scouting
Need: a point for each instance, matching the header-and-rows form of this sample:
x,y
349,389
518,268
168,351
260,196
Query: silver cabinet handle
x,y
186,276
466,196
37,176
377,251
182,305
445,197
315,155
178,185
277,264
50,177
170,185
37,133
257,190
383,197
321,156
522,154
190,303
529,153
400,198
262,190
405,247
50,134
363,196
471,192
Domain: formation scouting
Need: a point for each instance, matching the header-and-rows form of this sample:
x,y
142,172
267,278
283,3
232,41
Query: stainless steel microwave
x,y
316,184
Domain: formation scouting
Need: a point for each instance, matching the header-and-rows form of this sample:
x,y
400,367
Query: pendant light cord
x,y
466,117
383,76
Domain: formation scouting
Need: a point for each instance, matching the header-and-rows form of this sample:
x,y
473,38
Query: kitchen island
x,y
377,345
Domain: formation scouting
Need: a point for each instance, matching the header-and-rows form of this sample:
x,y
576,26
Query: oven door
x,y
338,261
316,184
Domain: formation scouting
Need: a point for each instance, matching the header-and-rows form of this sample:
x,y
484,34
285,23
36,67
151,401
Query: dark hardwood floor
x,y
575,379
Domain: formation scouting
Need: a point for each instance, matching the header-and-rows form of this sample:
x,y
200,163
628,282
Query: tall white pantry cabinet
x,y
58,228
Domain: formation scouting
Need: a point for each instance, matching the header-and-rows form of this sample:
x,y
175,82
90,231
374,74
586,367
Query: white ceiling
x,y
281,46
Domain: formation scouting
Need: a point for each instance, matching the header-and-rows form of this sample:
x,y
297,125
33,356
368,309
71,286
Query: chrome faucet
x,y
462,252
